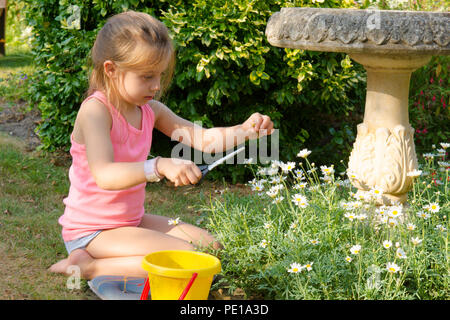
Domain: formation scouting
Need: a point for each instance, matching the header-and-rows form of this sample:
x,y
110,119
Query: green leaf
x,y
254,77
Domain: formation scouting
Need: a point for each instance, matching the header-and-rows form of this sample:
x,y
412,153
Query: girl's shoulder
x,y
94,106
157,108
94,110
92,114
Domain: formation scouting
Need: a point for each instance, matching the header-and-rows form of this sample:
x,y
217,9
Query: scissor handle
x,y
204,169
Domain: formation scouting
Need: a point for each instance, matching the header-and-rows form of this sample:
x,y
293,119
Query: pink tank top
x,y
90,208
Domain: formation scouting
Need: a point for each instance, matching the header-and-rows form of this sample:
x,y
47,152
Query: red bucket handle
x,y
144,294
145,291
188,287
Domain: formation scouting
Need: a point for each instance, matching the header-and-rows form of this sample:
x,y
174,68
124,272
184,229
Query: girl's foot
x,y
78,257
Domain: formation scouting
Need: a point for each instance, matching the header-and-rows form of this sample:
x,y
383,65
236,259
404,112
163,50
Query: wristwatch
x,y
151,172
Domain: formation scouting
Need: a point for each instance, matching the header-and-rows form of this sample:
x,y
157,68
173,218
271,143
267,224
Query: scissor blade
x,y
222,160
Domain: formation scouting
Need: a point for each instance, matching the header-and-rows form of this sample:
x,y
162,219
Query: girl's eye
x,y
148,77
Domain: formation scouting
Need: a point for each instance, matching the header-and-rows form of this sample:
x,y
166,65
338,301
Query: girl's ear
x,y
110,68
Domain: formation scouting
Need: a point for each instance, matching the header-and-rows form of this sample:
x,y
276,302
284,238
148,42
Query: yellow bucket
x,y
179,274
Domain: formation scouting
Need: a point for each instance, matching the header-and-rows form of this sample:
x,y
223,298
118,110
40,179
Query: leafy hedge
x,y
225,71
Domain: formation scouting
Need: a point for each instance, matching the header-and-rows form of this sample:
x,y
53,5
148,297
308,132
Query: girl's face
x,y
138,87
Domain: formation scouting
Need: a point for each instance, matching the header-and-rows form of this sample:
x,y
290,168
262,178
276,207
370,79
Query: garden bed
x,y
302,234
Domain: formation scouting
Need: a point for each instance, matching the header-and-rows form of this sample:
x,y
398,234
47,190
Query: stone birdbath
x,y
390,45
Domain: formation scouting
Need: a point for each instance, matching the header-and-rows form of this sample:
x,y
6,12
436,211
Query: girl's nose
x,y
156,84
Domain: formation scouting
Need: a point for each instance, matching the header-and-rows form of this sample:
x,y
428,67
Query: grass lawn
x,y
32,188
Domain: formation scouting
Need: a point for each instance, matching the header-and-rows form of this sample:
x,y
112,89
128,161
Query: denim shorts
x,y
80,243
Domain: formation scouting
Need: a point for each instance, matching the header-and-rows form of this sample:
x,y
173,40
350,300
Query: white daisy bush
x,y
304,231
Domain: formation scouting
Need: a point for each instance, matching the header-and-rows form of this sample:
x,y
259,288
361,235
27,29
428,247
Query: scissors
x,y
206,168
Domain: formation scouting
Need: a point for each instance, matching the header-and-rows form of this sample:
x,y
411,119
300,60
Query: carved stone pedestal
x,y
390,45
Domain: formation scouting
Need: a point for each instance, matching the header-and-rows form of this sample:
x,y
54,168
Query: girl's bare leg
x,y
192,234
120,251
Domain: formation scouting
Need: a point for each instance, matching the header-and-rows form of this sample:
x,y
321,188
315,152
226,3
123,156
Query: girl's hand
x,y
259,125
179,171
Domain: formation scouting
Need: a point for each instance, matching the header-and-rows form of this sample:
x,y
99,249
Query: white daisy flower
x,y
361,217
356,204
445,145
352,175
377,191
345,205
263,243
295,267
355,249
415,241
392,222
350,216
440,227
267,225
400,254
300,200
327,171
275,164
348,259
411,226
314,242
384,219
392,267
414,173
395,211
301,185
248,161
434,207
272,171
308,266
387,244
424,215
276,180
286,167
304,153
174,222
258,187
299,174
382,210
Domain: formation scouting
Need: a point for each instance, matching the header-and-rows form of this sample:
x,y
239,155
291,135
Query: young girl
x,y
104,226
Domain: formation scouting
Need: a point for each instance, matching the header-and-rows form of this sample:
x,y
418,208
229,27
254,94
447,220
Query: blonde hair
x,y
133,41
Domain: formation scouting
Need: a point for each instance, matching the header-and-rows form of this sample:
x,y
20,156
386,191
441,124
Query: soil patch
x,y
19,120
